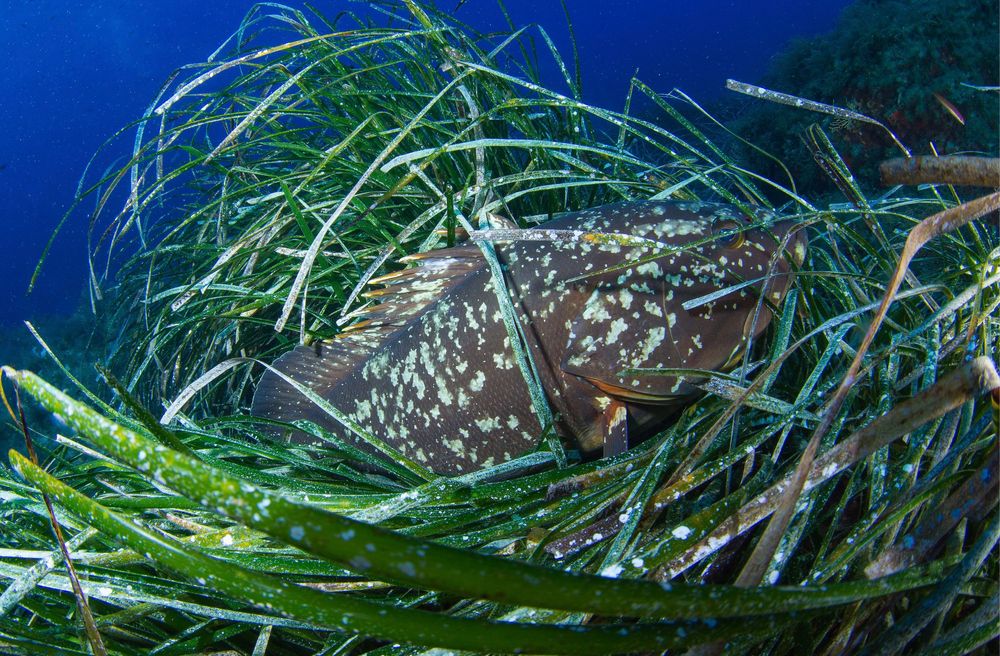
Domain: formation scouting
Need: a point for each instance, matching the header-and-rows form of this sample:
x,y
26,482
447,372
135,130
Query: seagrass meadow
x,y
834,492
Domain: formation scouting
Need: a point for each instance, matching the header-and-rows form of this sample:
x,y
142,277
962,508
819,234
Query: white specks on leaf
x,y
612,571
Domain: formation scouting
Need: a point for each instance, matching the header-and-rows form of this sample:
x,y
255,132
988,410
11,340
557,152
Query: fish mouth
x,y
793,236
790,237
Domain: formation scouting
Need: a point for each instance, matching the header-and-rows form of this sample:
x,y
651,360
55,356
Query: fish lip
x,y
792,235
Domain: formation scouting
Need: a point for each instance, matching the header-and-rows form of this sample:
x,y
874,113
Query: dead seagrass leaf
x,y
931,227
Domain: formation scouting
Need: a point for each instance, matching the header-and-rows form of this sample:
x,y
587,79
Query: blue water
x,y
75,72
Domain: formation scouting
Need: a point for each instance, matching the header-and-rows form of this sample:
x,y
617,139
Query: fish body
x,y
430,369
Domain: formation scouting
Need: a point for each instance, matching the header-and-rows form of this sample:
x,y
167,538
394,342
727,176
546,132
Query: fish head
x,y
694,302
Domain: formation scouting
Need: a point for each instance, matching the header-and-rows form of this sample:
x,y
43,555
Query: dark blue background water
x,y
75,72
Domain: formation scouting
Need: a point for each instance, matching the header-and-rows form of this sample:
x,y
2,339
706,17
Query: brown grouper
x,y
430,370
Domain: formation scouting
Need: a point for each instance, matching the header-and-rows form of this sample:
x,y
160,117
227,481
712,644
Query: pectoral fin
x,y
629,395
615,429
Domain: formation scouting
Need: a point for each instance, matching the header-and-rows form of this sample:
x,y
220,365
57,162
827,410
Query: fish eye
x,y
728,233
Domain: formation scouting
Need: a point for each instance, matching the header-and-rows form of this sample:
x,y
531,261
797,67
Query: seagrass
x,y
308,155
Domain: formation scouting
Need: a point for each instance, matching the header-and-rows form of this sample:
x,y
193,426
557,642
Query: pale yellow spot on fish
x,y
653,339
799,253
487,425
651,269
618,326
443,392
595,311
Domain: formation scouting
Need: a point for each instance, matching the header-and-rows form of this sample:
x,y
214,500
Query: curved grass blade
x,y
394,557
346,613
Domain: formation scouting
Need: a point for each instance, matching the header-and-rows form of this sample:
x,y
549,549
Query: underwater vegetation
x,y
928,71
833,490
78,341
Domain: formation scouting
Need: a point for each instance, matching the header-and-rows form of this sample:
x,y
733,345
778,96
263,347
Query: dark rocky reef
x,y
906,63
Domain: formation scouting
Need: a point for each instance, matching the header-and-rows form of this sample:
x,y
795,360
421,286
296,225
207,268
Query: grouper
x,y
429,368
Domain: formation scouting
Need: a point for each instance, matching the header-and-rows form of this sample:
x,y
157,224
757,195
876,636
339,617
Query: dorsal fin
x,y
495,221
407,293
322,365
498,222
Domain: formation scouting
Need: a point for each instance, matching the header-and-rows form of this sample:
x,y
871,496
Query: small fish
x,y
949,107
429,369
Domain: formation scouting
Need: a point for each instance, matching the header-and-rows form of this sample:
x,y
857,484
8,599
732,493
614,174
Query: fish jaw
x,y
639,321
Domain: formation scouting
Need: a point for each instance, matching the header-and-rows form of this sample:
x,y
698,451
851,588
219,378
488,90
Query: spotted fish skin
x,y
430,369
